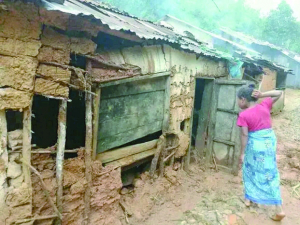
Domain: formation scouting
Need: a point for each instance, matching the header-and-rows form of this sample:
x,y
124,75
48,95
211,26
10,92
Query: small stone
x,y
14,170
46,174
183,223
124,191
228,212
177,203
138,183
17,182
232,219
191,221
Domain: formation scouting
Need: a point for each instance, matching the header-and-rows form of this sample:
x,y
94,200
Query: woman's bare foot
x,y
247,203
278,216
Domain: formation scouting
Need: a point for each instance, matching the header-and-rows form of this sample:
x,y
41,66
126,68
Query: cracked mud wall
x,y
20,30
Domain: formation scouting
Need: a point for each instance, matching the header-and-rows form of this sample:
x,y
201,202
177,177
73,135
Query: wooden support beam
x,y
96,106
61,142
159,148
26,151
167,106
88,147
4,162
132,158
120,153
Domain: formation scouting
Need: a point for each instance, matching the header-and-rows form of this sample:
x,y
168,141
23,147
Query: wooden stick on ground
x,y
159,148
61,142
88,148
45,189
169,156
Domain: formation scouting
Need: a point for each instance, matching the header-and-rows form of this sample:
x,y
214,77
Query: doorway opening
x,y
201,116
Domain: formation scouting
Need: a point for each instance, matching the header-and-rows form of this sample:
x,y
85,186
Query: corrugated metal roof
x,y
250,40
121,21
146,30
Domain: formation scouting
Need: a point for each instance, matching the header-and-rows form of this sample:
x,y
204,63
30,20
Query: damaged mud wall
x,y
35,49
184,67
105,190
20,30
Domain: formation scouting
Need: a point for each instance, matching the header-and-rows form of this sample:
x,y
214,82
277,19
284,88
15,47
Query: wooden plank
x,y
26,151
61,142
204,116
88,148
132,159
166,119
96,106
128,136
232,82
211,127
4,161
141,106
159,148
136,78
126,151
133,88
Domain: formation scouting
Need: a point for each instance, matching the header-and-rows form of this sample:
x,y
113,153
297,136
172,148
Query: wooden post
x,y
96,109
61,142
211,127
166,119
88,146
3,164
160,147
26,151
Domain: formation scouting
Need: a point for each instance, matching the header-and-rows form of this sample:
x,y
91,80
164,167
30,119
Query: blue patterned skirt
x,y
260,172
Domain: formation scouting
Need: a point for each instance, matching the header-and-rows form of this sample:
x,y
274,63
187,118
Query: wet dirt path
x,y
209,197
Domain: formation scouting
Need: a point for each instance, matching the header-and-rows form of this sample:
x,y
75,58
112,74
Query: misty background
x,y
275,21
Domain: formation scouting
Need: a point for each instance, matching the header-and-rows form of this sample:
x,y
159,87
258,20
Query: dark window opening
x,y
75,120
78,61
200,84
14,120
109,42
281,80
182,125
44,121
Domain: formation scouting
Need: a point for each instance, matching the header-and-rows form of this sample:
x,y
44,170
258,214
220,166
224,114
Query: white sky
x,y
266,5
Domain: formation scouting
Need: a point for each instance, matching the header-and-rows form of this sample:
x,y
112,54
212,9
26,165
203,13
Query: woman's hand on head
x,y
256,94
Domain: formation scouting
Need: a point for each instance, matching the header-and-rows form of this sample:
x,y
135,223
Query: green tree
x,y
282,28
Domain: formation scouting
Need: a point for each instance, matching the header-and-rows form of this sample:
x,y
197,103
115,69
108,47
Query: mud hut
x,y
88,93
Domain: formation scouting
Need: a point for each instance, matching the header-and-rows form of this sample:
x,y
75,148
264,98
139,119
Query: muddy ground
x,y
214,197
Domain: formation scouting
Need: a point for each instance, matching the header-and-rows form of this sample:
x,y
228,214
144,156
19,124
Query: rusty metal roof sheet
x,y
121,21
146,30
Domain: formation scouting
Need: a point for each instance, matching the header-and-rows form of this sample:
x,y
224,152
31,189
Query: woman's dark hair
x,y
246,92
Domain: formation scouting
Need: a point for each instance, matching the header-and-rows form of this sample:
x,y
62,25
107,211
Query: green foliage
x,y
280,27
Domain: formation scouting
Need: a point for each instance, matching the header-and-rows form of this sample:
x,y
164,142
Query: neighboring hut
x,y
116,92
276,75
270,52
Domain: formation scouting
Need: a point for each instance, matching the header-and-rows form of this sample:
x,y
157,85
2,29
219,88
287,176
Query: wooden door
x,y
223,133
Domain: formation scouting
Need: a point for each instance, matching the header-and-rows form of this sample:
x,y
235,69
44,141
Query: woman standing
x,y
260,172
